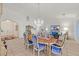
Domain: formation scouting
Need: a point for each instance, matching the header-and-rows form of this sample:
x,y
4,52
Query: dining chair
x,y
57,48
28,42
37,46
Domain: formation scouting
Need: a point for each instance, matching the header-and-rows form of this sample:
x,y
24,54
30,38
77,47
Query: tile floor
x,y
16,47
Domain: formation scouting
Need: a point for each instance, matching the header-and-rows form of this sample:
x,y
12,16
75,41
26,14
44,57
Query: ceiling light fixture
x,y
67,15
38,22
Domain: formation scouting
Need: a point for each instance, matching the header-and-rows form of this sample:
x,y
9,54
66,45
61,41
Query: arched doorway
x,y
9,29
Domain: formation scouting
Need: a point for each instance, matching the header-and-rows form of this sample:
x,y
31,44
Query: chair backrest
x,y
55,49
54,33
63,40
34,40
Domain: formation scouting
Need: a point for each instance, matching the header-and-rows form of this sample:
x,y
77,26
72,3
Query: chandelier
x,y
38,22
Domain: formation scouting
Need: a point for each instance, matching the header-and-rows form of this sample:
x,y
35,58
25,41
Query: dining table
x,y
48,41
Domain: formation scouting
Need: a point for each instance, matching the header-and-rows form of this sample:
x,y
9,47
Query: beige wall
x,y
0,9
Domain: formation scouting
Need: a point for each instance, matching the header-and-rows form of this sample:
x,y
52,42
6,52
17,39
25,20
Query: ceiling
x,y
43,9
46,11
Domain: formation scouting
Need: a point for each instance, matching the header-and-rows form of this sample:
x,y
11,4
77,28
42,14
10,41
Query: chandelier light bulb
x,y
35,22
38,21
42,21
